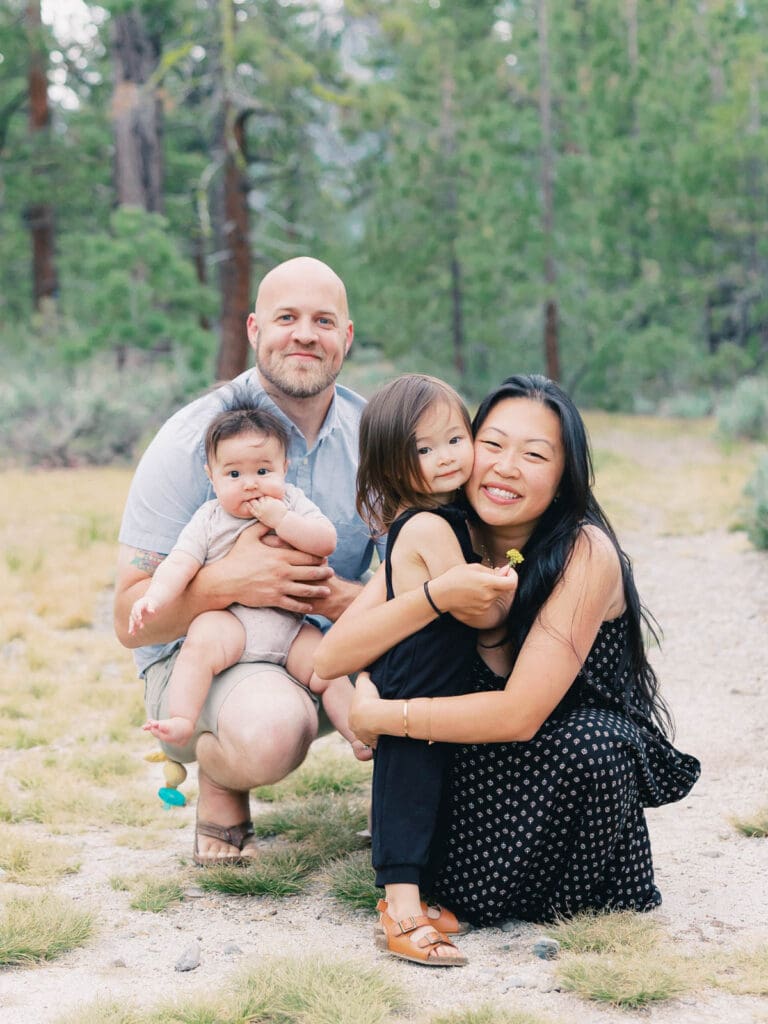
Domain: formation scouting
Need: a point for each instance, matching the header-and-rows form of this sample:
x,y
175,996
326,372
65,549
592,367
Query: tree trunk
x,y
235,263
449,202
39,215
551,335
136,114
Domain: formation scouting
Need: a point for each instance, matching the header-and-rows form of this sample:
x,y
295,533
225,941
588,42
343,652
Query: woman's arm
x,y
549,661
371,624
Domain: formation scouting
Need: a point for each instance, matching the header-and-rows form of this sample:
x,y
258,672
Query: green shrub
x,y
52,414
744,412
756,515
687,405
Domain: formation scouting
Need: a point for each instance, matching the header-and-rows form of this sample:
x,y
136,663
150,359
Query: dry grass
x,y
617,959
40,927
672,469
31,859
754,826
742,972
311,991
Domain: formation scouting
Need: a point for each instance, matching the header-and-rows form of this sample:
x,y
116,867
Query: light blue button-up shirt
x,y
170,482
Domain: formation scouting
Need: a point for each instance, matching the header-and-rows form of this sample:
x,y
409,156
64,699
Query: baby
x,y
246,463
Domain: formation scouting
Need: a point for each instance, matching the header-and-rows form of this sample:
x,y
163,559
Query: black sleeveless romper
x,y
408,774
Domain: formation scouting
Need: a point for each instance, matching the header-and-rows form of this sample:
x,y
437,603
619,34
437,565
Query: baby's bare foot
x,y
177,730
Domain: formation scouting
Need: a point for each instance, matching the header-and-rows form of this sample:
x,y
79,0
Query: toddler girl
x,y
416,452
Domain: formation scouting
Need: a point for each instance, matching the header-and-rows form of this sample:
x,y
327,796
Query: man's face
x,y
300,330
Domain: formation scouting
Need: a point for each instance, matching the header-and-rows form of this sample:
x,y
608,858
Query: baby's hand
x,y
361,751
270,511
145,607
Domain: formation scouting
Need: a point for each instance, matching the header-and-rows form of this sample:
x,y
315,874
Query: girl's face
x,y
519,462
444,449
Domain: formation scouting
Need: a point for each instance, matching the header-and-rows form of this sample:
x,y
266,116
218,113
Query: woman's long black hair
x,y
551,544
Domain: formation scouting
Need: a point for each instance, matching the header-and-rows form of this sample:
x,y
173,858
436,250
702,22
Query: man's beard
x,y
295,384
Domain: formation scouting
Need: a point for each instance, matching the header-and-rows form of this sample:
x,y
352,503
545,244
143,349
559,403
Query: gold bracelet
x,y
430,741
405,719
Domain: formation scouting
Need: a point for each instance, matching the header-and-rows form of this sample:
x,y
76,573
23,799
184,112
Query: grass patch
x,y
607,933
316,991
34,860
614,958
39,928
310,991
754,826
106,1012
487,1014
324,772
277,873
155,894
742,972
325,828
351,881
630,981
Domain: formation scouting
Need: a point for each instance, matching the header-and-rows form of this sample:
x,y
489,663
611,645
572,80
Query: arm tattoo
x,y
147,561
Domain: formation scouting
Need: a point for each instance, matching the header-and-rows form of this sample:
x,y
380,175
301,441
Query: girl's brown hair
x,y
389,476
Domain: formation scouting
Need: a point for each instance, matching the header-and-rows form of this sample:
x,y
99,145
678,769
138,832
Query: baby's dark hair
x,y
243,420
389,475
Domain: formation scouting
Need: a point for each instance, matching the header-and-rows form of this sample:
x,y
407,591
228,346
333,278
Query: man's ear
x,y
252,330
349,338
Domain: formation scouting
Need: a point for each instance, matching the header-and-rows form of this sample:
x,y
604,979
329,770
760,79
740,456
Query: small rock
x,y
546,949
193,892
510,926
232,948
513,982
486,975
189,959
119,962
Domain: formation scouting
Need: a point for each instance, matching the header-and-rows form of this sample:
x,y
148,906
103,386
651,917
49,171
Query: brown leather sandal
x,y
446,921
235,835
395,938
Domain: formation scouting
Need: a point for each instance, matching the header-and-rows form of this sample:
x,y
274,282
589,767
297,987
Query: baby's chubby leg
x,y
214,641
336,694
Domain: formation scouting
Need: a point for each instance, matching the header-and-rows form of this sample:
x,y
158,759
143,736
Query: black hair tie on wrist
x,y
429,598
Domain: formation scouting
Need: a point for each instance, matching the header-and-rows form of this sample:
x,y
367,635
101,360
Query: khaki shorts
x,y
156,680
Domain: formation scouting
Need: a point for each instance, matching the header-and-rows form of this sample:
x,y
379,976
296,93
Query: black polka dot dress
x,y
555,825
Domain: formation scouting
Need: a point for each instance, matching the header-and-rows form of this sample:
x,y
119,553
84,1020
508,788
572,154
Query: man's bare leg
x,y
265,728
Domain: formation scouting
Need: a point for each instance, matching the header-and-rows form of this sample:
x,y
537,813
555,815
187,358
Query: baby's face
x,y
245,467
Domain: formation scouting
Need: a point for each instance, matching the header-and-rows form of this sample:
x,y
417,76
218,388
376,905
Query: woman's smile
x,y
502,494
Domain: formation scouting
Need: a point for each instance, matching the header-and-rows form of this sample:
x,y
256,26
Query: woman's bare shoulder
x,y
595,557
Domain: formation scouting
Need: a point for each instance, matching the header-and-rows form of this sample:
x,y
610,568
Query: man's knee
x,y
265,728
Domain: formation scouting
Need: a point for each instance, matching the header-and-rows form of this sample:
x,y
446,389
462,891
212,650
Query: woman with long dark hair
x,y
564,739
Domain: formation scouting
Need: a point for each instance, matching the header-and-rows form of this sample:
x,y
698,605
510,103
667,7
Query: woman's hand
x,y
362,710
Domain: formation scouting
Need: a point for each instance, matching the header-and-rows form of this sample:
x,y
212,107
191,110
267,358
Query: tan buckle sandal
x,y
235,835
446,921
395,938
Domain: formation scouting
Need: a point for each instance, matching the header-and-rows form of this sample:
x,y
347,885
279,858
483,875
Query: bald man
x,y
258,723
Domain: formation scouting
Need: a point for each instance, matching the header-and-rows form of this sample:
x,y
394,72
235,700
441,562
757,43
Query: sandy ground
x,y
710,593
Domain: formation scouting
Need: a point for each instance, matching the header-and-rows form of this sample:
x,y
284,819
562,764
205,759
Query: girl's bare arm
x,y
549,661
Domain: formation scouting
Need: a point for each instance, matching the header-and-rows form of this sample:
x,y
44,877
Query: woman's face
x,y
519,463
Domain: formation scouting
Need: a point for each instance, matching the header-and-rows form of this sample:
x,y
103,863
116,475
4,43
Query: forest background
x,y
575,187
